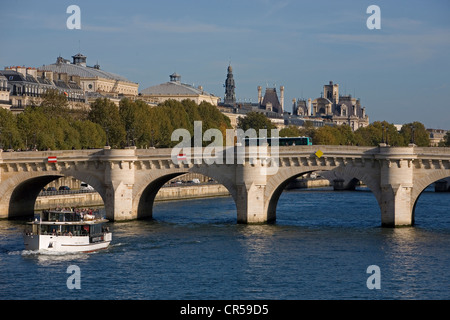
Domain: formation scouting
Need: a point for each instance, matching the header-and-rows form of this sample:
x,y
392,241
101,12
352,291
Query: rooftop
x,y
174,87
79,68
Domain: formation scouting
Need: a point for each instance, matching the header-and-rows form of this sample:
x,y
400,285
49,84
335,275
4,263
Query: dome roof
x,y
172,88
175,88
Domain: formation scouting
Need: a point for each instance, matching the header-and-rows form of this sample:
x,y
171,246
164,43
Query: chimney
x,y
282,98
32,72
48,75
259,95
21,70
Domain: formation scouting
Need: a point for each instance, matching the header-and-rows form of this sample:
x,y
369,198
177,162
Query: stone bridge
x,y
129,179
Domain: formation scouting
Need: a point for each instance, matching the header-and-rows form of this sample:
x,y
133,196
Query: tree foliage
x,y
446,141
372,135
257,121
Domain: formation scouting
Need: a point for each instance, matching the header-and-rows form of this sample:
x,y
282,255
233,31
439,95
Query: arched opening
x,y
146,200
178,186
272,208
23,197
47,192
431,206
317,202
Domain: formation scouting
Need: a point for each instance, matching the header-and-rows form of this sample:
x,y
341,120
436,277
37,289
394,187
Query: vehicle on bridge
x,y
282,141
67,231
86,187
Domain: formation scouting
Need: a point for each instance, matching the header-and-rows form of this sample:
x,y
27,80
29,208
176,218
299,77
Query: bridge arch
x,y
422,182
148,185
277,183
18,194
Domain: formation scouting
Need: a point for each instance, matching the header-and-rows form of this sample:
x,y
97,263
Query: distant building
x,y
436,136
270,104
334,108
176,90
80,83
4,93
230,95
94,81
25,87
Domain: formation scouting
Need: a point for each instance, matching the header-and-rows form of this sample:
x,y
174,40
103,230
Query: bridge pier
x,y
396,206
120,179
396,181
250,204
250,186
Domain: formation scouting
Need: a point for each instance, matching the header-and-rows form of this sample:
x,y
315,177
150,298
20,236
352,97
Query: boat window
x,y
49,229
96,229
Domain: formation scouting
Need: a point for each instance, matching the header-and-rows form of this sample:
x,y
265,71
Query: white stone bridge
x,y
129,179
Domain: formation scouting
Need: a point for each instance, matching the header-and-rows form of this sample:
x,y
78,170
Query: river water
x,y
320,247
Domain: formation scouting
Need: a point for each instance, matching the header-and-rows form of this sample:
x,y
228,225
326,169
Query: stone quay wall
x,y
93,199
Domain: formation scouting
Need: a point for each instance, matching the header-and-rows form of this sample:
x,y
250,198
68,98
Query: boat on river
x,y
68,230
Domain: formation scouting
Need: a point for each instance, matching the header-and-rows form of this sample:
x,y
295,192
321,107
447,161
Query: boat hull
x,y
69,244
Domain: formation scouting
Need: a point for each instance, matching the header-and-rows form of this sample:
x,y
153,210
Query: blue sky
x,y
401,72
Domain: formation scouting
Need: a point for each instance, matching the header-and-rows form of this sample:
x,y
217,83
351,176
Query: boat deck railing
x,y
71,215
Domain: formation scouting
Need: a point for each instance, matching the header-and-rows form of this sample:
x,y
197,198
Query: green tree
x,y
416,133
290,131
345,135
171,115
105,113
257,121
55,104
378,132
9,134
446,140
91,135
135,118
326,135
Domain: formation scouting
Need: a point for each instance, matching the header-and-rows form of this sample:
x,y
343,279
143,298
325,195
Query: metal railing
x,y
64,192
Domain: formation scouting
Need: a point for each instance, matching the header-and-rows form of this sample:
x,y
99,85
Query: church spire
x,y
230,96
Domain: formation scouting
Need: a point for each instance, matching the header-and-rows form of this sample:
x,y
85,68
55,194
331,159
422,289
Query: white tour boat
x,y
67,230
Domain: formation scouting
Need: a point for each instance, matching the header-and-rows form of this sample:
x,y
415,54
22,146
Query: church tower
x,y
230,96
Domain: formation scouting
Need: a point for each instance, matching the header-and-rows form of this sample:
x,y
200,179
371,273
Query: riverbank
x,y
93,199
181,192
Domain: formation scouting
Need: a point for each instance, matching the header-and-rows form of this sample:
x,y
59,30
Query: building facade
x,y
333,107
25,86
80,83
94,81
5,103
